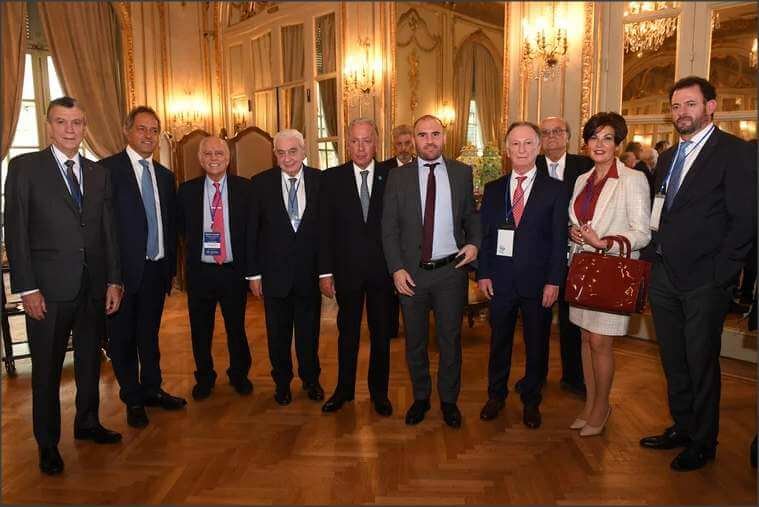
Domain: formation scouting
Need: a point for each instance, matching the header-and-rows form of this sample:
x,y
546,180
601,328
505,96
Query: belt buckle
x,y
427,265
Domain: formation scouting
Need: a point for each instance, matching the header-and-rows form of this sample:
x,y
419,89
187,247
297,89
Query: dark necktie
x,y
76,192
428,229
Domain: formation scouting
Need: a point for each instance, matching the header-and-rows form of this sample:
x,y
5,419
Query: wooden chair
x,y
251,152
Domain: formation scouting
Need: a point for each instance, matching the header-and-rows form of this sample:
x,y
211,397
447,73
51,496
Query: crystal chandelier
x,y
648,34
543,49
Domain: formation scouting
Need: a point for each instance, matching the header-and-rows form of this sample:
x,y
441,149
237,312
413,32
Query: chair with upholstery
x,y
251,152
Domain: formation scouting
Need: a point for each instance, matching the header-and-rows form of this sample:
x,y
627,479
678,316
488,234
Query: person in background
x,y
628,158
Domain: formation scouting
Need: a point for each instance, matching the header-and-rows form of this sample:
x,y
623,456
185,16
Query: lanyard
x,y
211,209
665,182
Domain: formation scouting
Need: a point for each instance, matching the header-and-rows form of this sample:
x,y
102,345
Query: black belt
x,y
429,266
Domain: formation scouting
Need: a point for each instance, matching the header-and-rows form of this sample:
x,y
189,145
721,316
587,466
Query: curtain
x,y
12,71
293,61
84,42
262,62
462,94
487,91
328,87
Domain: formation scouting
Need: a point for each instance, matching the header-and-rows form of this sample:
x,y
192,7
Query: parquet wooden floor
x,y
248,450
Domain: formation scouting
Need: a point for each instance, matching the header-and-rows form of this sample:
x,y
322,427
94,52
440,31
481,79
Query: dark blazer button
x,y
81,250
83,224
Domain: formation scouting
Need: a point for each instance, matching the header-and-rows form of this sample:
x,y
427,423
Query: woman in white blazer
x,y
609,200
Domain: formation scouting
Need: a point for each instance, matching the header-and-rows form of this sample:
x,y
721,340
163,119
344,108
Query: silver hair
x,y
289,134
364,121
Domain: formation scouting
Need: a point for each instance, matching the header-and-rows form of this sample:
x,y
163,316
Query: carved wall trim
x,y
409,25
413,79
124,15
586,80
506,72
165,74
394,78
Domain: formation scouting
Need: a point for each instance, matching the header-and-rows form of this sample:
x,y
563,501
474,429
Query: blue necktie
x,y
554,171
76,192
148,201
673,185
292,200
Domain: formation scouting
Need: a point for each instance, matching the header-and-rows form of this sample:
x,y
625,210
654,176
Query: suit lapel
x,y
378,185
348,184
698,164
87,175
57,176
449,168
535,194
414,183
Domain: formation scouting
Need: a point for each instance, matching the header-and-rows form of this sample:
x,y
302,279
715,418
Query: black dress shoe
x,y
315,391
692,458
165,401
136,416
574,388
51,462
451,414
383,407
491,409
531,416
98,434
416,412
283,396
243,386
201,391
336,402
670,439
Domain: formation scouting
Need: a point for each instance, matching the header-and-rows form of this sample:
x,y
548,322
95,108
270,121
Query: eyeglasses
x,y
553,132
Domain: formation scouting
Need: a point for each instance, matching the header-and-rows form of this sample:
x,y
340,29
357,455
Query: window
x,y
326,90
473,129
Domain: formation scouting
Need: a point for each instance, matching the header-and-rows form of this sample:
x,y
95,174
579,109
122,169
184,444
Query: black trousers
x,y
223,285
395,318
83,318
379,313
302,314
444,291
689,331
537,328
570,341
133,336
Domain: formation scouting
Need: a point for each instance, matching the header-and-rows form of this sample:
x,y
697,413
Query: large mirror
x,y
449,59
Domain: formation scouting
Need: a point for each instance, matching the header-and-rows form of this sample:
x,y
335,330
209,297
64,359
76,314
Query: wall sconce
x,y
360,71
188,111
240,109
446,114
543,48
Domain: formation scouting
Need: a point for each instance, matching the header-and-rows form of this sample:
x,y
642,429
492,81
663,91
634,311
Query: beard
x,y
694,124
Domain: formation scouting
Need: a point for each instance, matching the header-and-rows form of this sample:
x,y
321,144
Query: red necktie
x,y
428,228
518,207
218,224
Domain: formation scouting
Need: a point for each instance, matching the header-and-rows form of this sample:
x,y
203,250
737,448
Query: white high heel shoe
x,y
578,424
591,431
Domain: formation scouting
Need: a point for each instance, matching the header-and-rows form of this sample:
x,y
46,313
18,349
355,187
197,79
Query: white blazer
x,y
623,209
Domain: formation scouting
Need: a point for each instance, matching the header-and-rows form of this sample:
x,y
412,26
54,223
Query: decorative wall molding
x,y
586,80
412,28
124,15
413,79
506,71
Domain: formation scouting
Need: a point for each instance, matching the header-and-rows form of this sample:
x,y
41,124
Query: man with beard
x,y
703,218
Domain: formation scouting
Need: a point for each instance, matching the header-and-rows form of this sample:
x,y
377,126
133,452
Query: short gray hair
x,y
362,120
205,140
516,124
402,129
289,134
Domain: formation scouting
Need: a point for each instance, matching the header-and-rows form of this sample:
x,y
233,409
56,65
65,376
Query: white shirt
x,y
135,158
443,238
62,158
526,184
301,191
560,168
369,177
697,142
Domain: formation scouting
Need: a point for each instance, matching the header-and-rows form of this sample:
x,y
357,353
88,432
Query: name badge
x,y
505,244
211,243
656,210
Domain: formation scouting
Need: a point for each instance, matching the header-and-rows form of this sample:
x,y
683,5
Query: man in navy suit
x,y
521,266
352,266
143,202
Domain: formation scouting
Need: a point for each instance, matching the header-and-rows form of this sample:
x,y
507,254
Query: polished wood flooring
x,y
248,450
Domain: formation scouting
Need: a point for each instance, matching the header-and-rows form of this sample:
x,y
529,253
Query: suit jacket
x,y
190,209
540,241
402,214
286,260
350,248
707,233
623,208
48,240
133,224
574,166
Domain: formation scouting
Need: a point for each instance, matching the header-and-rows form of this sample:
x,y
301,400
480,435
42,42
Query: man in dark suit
x,y
144,204
557,163
430,231
352,266
212,217
706,199
521,266
62,247
284,222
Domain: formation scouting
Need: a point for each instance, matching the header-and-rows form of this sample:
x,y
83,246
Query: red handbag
x,y
608,283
